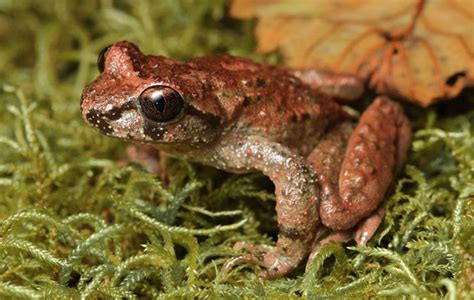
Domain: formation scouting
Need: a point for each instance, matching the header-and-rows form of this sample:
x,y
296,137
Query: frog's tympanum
x,y
239,116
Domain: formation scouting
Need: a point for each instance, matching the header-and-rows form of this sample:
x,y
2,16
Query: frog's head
x,y
147,99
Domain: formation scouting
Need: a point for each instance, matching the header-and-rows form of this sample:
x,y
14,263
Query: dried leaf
x,y
422,51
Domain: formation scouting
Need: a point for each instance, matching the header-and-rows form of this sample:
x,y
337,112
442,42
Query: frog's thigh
x,y
354,180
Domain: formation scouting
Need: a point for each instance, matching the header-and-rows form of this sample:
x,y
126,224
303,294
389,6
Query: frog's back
x,y
267,98
272,90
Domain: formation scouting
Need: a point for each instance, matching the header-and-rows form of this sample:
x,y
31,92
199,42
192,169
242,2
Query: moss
x,y
77,223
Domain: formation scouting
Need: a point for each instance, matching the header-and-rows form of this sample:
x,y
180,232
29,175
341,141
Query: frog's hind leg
x,y
355,168
343,87
354,180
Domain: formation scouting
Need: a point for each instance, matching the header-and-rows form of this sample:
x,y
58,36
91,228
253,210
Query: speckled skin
x,y
241,117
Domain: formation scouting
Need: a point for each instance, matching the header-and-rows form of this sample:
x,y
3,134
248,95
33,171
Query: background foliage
x,y
79,223
419,50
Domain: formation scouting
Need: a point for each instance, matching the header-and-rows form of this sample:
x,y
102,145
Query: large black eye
x,y
101,58
161,103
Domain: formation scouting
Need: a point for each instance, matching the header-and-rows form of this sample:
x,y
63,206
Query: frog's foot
x,y
276,262
364,232
150,158
342,87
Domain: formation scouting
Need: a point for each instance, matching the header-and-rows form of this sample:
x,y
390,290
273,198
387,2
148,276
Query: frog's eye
x,y
101,58
161,103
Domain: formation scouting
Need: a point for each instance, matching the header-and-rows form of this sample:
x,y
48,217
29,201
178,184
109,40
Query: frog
x,y
330,172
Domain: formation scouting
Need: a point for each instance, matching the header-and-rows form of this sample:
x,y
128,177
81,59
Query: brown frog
x,y
239,116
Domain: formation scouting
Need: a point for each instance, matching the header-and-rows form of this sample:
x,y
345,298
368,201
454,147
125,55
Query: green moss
x,y
76,223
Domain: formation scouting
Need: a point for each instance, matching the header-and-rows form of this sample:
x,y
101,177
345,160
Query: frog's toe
x,y
252,248
275,262
336,236
238,260
255,257
368,227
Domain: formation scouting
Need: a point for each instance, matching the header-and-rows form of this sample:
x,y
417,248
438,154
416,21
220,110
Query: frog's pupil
x,y
158,100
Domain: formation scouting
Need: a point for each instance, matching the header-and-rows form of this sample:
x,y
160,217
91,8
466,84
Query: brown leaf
x,y
420,50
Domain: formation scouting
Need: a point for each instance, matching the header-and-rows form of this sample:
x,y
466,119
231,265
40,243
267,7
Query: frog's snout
x,y
120,121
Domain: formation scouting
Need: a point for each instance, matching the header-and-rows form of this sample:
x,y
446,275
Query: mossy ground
x,y
76,223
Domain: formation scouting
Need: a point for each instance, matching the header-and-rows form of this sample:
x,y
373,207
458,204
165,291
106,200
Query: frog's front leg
x,y
297,206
